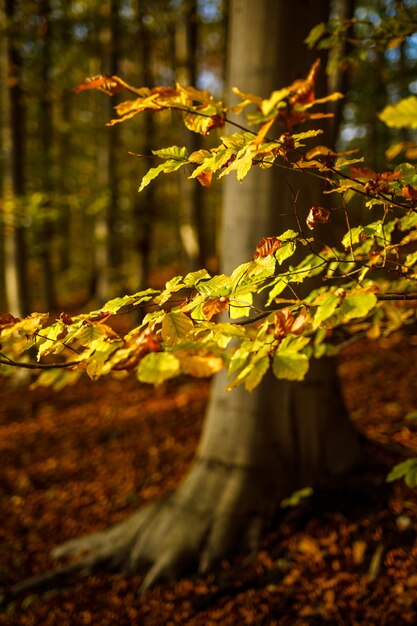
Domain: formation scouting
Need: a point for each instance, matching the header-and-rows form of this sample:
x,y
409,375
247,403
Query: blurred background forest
x,y
73,229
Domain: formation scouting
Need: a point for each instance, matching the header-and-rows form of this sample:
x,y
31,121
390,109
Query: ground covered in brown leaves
x,y
74,462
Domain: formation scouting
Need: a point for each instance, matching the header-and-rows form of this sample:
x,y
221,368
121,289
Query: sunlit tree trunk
x,y
15,250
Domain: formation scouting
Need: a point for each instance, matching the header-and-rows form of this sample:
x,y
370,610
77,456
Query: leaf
x,y
266,246
214,307
277,289
178,153
215,287
214,161
357,305
240,307
7,319
402,114
327,305
406,470
49,339
157,367
317,215
163,168
315,34
200,366
98,352
176,327
205,178
256,373
193,278
203,119
296,497
175,157
113,306
285,251
109,84
290,365
26,326
239,359
409,192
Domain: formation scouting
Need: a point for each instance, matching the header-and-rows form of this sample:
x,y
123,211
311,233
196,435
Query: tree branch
x,y
5,360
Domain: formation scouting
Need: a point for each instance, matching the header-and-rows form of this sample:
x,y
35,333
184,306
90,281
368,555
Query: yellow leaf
x,y
200,366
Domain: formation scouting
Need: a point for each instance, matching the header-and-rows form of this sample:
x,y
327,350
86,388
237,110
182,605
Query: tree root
x,y
216,511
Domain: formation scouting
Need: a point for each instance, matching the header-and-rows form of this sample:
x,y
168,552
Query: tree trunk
x,y
15,234
47,227
191,197
257,447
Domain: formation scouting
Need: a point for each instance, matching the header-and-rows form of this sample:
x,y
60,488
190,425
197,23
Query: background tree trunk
x,y
191,231
46,230
15,246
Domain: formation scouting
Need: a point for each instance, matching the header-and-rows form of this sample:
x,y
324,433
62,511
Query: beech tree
x,y
292,292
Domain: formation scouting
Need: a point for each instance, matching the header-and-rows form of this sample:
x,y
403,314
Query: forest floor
x,y
76,461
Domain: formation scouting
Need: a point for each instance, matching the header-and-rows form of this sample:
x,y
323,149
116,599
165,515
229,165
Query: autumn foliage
x,y
361,282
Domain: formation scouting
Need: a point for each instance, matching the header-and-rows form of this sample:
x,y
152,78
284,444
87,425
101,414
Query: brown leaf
x,y
205,178
109,84
65,318
214,307
317,215
266,246
283,322
7,318
299,323
409,192
303,90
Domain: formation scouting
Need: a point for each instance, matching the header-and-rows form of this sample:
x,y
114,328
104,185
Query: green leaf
x,y
327,305
276,290
290,365
176,157
175,327
411,259
256,373
241,306
214,162
236,141
406,470
113,306
401,114
296,497
239,359
97,354
157,367
215,287
49,339
285,251
408,221
193,278
179,153
357,305
315,34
